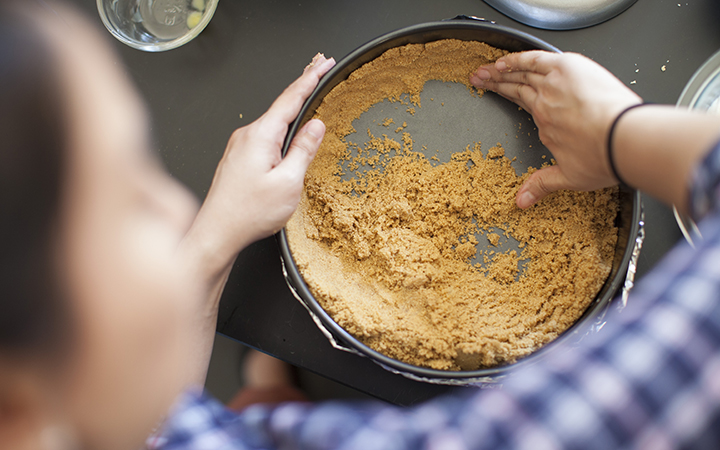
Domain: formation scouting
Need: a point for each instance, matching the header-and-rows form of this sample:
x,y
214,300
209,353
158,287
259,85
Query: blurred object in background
x,y
156,25
561,14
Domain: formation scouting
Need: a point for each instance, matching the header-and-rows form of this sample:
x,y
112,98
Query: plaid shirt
x,y
650,379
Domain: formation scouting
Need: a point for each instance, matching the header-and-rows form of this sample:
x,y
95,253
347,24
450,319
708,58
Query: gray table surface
x,y
252,49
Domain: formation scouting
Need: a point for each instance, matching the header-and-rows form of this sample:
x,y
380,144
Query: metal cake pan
x,y
629,219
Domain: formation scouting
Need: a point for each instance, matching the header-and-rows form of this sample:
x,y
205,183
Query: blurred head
x,y
93,300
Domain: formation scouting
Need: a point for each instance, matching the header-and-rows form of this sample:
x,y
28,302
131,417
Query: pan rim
x,y
296,282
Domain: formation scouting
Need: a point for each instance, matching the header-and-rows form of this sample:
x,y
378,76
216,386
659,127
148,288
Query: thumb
x,y
538,185
304,146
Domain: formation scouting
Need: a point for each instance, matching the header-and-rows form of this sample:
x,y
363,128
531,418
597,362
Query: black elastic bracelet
x,y
610,140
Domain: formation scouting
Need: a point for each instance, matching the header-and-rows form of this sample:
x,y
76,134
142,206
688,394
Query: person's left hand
x,y
255,190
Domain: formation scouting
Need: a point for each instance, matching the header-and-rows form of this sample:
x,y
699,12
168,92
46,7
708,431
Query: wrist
x,y
208,252
610,145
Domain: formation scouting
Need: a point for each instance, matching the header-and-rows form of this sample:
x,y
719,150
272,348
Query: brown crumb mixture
x,y
389,253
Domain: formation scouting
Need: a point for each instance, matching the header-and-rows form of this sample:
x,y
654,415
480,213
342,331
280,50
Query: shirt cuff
x,y
705,188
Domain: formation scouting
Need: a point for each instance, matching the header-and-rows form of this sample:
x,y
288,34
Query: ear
x,y
22,407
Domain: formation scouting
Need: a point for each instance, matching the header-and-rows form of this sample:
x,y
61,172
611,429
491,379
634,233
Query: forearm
x,y
211,246
201,333
210,263
253,193
656,149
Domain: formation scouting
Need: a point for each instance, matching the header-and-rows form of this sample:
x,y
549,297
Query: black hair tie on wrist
x,y
613,167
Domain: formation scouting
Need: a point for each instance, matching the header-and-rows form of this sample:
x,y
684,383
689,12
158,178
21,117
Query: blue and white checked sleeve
x,y
705,187
650,379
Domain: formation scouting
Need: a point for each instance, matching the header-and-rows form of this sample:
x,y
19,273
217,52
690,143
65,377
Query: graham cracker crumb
x,y
389,253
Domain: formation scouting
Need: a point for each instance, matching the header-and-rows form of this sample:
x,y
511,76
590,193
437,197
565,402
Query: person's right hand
x,y
573,101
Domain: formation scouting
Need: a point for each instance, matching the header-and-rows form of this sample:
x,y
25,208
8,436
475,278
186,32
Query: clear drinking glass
x,y
156,25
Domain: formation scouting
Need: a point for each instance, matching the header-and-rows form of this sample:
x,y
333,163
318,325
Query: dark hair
x,y
32,157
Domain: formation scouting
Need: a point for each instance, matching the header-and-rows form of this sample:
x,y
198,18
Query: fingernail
x,y
315,128
327,64
317,58
526,199
501,65
475,81
483,74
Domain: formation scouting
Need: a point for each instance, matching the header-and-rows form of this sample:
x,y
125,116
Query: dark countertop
x,y
253,49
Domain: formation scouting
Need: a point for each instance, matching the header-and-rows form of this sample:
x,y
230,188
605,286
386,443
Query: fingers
x,y
517,76
536,61
522,94
541,183
488,74
302,149
317,59
287,106
518,87
524,68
